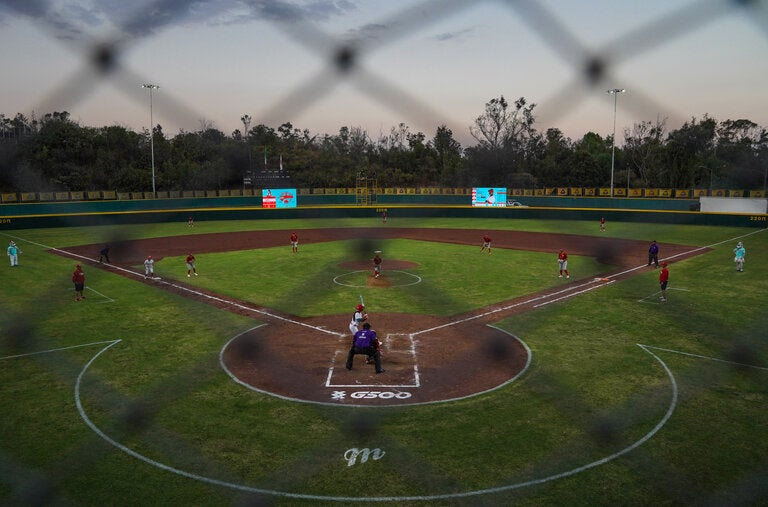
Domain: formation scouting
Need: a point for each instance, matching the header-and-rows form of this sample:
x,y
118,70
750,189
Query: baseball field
x,y
504,383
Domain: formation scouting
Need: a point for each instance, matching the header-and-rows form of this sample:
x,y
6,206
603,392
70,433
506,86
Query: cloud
x,y
71,19
458,34
369,32
288,12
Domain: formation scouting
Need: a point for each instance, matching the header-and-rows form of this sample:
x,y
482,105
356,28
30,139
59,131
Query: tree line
x,y
55,153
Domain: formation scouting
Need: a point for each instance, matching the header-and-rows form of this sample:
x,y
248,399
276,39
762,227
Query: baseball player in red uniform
x,y
191,265
376,265
486,244
294,243
562,260
78,278
663,281
602,224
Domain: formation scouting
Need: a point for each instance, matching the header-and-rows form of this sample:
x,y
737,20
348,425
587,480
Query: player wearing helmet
x,y
358,318
739,253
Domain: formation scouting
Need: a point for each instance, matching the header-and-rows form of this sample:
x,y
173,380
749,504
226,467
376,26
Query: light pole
x,y
151,87
246,119
615,92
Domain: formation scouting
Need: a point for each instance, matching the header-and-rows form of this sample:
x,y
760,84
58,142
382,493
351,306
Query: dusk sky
x,y
416,62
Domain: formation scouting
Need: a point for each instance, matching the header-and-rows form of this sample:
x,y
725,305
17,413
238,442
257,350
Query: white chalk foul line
x,y
505,308
182,288
574,294
108,299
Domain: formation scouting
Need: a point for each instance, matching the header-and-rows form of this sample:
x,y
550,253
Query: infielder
x,y
358,318
486,244
739,253
149,267
13,253
191,265
562,260
294,242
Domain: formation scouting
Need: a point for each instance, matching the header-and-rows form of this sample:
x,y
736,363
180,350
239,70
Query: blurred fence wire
x,y
102,63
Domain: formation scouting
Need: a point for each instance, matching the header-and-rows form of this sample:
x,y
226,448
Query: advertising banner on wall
x,y
488,197
278,198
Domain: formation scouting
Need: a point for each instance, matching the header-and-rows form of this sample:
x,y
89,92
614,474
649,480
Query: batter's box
x,y
399,359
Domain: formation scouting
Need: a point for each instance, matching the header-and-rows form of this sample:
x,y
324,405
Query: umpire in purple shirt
x,y
365,342
653,254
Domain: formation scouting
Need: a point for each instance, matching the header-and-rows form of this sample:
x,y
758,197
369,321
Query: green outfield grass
x,y
448,279
697,394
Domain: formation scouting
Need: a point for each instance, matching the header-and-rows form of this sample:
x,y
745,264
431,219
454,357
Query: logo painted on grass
x,y
352,454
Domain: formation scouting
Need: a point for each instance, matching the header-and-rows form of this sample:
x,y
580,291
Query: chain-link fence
x,y
341,62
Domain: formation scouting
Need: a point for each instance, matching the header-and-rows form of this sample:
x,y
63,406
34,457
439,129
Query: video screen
x,y
487,197
278,198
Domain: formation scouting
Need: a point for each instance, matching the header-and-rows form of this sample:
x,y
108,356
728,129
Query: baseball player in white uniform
x,y
149,267
358,318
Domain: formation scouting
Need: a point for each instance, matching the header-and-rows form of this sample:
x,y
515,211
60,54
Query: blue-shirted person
x,y
365,342
739,253
13,253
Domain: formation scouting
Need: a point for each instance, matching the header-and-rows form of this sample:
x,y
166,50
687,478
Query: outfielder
x,y
294,242
358,318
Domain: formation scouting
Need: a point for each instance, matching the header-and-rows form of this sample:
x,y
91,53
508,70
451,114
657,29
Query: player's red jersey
x,y
664,275
563,256
190,258
294,237
486,239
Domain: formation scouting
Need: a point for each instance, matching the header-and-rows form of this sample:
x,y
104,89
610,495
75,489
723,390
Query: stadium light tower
x,y
151,87
615,92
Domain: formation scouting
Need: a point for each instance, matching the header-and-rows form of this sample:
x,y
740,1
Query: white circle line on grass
x,y
466,494
337,282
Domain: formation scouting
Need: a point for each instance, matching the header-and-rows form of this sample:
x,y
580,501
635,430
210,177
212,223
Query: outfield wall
x,y
84,213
